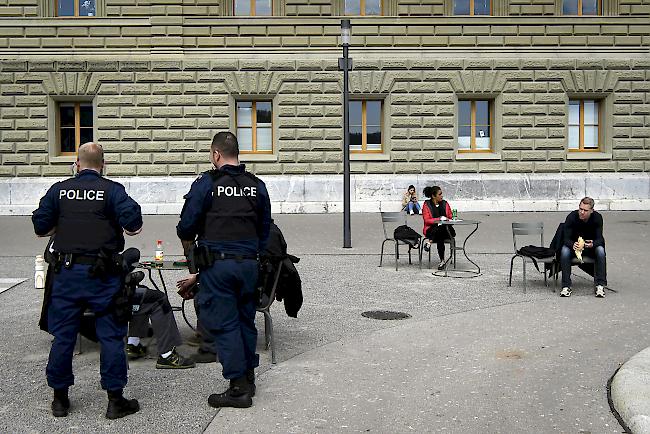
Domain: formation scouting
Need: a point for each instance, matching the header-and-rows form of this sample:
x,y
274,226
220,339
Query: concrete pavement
x,y
475,356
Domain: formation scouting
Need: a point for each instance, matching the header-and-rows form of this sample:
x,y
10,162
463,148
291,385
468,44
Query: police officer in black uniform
x,y
87,214
228,212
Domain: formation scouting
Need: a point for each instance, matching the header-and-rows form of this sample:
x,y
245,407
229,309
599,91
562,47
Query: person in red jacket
x,y
436,209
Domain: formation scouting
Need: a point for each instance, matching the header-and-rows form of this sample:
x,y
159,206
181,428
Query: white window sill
x,y
588,156
477,156
244,158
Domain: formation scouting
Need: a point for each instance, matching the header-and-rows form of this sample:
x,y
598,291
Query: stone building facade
x,y
158,78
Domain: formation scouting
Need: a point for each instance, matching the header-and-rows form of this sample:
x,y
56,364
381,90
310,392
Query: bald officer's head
x,y
90,156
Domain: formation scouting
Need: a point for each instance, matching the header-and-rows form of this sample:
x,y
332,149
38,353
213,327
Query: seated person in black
x,y
587,224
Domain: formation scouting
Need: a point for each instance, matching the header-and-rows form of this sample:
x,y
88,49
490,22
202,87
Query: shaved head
x,y
90,156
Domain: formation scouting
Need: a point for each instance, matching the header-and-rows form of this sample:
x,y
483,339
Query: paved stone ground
x,y
476,355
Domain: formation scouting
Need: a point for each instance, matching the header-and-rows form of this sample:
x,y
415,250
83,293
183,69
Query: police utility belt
x,y
102,264
201,257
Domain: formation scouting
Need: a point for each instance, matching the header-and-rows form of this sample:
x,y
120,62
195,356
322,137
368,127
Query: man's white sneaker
x,y
411,212
600,291
566,292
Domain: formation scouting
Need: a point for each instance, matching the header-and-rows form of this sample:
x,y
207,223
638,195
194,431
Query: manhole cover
x,y
385,314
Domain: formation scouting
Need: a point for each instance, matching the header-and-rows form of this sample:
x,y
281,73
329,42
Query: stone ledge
x,y
631,392
372,193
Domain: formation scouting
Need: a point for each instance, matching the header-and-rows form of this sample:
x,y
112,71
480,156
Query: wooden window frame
x,y
77,126
254,127
252,4
364,129
581,127
76,10
362,9
471,9
472,141
599,9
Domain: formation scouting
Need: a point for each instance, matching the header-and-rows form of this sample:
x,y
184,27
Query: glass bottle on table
x,y
159,254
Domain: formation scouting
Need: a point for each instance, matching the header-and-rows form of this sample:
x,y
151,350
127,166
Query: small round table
x,y
459,272
150,266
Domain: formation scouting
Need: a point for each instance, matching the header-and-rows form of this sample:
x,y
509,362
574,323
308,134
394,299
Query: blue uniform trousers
x,y
227,311
74,291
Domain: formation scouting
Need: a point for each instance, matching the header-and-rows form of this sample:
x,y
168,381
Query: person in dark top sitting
x,y
587,224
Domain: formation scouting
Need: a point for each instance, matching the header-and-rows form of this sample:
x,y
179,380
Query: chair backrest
x,y
390,220
535,228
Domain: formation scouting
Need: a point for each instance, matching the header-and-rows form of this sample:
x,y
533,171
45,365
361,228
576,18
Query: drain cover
x,y
385,314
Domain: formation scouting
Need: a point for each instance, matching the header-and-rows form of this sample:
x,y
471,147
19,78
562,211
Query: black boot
x,y
250,377
119,406
61,403
237,395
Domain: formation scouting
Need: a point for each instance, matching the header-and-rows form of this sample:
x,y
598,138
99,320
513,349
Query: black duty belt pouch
x,y
122,305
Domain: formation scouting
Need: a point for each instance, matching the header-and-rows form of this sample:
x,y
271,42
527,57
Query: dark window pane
x,y
352,7
355,137
355,113
464,131
66,115
482,131
67,140
373,112
86,135
66,8
373,7
589,7
461,7
570,7
86,115
263,7
481,7
263,112
464,113
482,113
87,8
373,134
242,7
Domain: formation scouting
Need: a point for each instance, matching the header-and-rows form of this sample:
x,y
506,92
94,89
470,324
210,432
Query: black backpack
x,y
408,235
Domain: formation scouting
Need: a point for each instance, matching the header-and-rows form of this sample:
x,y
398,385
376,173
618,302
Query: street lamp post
x,y
345,63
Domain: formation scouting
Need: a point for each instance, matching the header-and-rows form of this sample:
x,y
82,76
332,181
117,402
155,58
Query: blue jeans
x,y
600,266
413,206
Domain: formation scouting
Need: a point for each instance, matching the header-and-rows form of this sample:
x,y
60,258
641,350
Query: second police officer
x,y
228,213
87,215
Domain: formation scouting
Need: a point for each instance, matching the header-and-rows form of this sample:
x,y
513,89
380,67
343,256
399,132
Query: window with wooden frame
x,y
472,7
363,7
253,7
366,126
74,126
75,8
581,7
255,127
584,125
475,125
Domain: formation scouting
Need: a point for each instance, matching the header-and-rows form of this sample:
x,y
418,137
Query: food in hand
x,y
581,247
